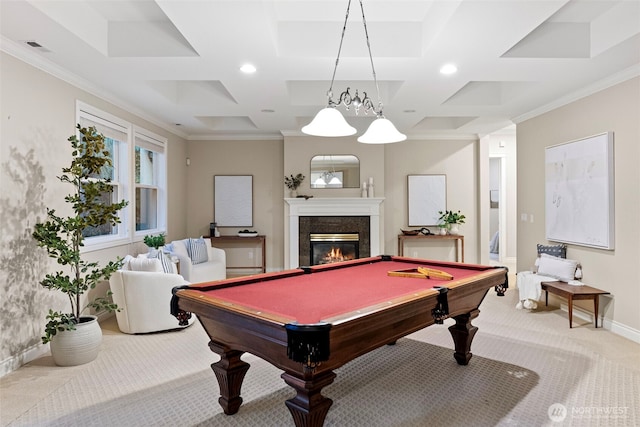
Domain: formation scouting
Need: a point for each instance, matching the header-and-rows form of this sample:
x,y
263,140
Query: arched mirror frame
x,y
334,171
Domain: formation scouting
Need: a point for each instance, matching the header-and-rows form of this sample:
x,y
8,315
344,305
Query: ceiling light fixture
x,y
329,122
248,69
448,69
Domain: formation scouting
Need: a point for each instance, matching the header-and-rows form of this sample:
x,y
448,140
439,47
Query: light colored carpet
x,y
523,363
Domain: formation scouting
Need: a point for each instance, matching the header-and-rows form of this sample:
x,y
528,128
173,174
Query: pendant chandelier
x,y
329,122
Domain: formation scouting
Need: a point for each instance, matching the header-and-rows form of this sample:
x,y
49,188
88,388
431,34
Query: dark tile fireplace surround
x,y
333,224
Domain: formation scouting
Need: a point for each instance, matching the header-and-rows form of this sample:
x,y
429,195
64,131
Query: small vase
x,y
293,194
443,231
455,230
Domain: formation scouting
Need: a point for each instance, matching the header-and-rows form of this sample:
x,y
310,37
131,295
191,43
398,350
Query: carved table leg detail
x,y
230,372
309,408
463,332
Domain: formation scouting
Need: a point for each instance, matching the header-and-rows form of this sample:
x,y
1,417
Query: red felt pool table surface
x,y
330,291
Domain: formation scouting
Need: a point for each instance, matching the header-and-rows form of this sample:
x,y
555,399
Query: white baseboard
x,y
12,363
613,326
32,353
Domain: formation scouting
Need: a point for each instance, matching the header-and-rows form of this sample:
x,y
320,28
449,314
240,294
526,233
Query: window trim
x,y
124,178
156,143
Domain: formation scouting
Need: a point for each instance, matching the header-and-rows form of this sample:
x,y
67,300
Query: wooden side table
x,y
572,293
433,237
258,240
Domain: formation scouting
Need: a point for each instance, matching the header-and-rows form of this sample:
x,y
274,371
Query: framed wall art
x,y
427,195
579,192
233,200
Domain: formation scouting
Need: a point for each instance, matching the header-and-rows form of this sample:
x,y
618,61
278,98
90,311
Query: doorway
x,y
497,199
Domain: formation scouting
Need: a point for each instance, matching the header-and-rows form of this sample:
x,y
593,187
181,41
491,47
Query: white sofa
x,y
215,268
144,300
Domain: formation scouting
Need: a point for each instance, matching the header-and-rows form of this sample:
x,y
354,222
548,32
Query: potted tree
x,y
75,338
293,182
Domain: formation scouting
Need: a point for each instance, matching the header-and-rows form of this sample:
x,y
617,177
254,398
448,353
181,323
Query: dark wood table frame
x,y
259,241
572,293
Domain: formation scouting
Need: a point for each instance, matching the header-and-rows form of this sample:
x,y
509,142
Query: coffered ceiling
x,y
177,62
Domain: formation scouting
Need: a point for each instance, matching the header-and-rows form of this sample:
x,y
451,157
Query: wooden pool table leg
x,y
309,408
462,333
230,371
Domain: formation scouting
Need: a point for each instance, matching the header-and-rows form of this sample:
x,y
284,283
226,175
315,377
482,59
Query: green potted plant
x,y
63,237
154,241
451,220
293,182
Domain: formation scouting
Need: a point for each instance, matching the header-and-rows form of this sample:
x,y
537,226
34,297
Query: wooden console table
x,y
421,237
258,240
572,293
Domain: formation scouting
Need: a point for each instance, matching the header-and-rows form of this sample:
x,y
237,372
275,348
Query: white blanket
x,y
529,286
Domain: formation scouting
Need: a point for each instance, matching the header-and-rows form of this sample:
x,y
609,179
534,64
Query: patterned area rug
x,y
525,370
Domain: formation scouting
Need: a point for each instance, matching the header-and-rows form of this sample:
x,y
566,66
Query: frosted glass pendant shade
x,y
381,131
329,122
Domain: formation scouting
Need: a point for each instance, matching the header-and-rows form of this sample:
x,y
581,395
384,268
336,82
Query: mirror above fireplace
x,y
335,171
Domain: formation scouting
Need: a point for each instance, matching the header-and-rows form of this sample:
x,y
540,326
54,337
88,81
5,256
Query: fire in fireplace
x,y
327,248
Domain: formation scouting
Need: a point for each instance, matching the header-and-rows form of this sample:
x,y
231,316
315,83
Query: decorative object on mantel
x,y
293,182
329,122
371,188
247,233
76,338
451,220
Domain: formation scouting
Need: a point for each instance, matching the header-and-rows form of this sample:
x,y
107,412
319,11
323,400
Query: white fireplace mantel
x,y
336,206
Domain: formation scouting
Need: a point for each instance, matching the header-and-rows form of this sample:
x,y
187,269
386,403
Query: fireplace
x,y
348,233
327,248
336,215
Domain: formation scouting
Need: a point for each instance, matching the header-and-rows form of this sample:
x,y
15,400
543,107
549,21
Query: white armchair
x,y
144,299
215,268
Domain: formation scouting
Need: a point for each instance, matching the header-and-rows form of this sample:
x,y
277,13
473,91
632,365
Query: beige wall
x,y
614,109
263,160
458,160
38,115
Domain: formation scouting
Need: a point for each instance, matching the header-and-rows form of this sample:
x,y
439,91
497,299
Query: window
x,y
116,133
150,181
138,175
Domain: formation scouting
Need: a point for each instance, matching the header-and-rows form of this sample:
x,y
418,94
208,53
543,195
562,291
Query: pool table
x,y
312,320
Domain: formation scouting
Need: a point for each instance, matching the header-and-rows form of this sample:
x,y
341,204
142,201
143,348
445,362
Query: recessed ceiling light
x,y
409,111
248,69
267,110
448,69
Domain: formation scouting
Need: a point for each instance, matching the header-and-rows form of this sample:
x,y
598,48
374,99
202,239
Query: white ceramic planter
x,y
72,348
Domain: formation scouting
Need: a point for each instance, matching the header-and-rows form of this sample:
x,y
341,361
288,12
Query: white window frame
x,y
121,174
150,141
124,177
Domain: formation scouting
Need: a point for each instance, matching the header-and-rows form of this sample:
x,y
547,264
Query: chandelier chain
x,y
345,97
373,70
335,68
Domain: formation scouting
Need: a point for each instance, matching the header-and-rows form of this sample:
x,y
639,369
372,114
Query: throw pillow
x,y
559,251
198,251
179,249
167,265
125,263
142,263
559,268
